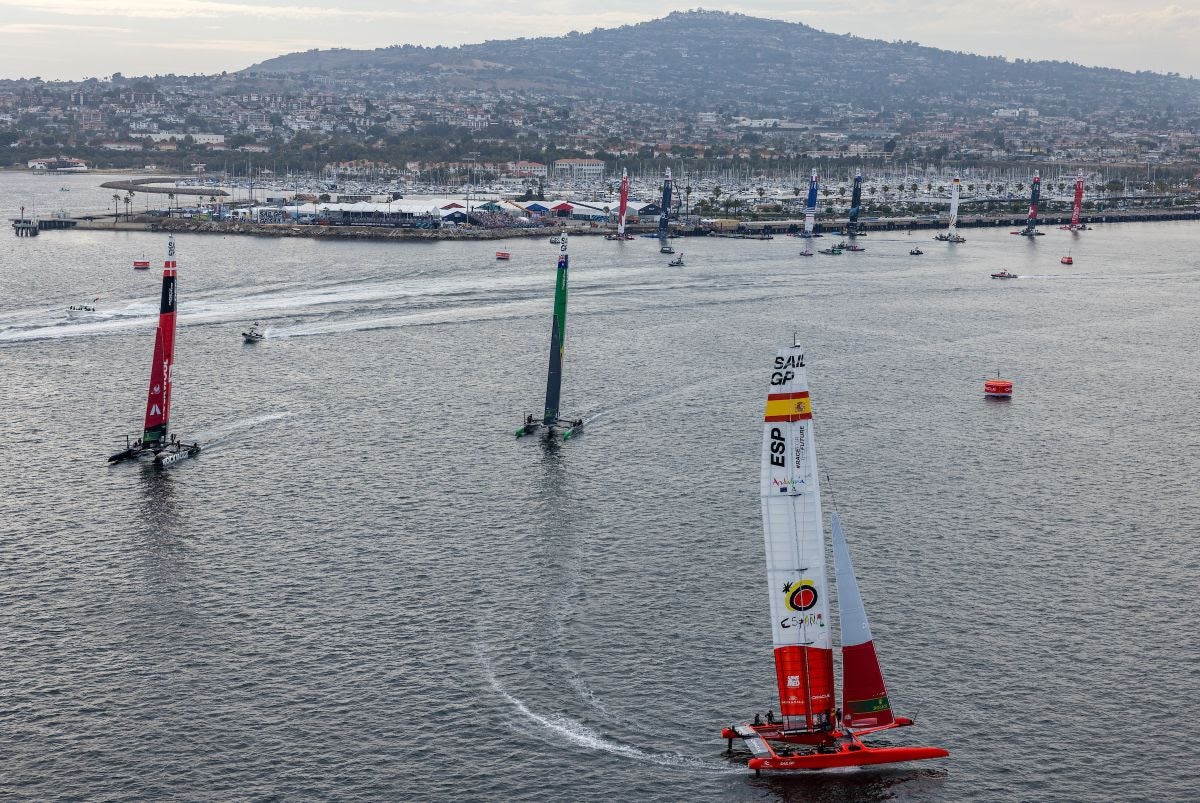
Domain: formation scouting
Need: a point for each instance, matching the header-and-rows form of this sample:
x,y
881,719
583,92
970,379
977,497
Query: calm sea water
x,y
366,589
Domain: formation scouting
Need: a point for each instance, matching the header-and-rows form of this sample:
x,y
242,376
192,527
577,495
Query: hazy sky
x,y
69,39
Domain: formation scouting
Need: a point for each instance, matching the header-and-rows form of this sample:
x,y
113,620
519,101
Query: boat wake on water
x,y
562,727
222,432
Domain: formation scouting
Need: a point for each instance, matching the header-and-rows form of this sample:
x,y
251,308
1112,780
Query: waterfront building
x,y
579,169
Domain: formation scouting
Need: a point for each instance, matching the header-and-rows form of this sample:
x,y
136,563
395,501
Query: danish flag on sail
x,y
864,695
791,510
158,400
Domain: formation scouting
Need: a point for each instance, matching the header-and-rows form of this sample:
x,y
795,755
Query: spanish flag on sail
x,y
788,407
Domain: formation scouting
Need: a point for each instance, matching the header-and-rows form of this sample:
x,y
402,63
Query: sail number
x,y
778,447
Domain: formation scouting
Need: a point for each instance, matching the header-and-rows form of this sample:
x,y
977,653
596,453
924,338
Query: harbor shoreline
x,y
726,228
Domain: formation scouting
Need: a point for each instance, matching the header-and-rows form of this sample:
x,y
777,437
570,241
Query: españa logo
x,y
800,595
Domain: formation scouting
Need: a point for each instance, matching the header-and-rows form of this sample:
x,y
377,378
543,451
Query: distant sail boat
x,y
664,216
1035,195
558,337
951,235
622,209
810,216
855,207
156,443
1076,223
795,546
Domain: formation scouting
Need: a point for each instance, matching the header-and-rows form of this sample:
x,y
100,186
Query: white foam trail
x,y
221,433
579,734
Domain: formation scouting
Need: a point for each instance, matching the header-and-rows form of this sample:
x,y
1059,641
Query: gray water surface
x,y
366,588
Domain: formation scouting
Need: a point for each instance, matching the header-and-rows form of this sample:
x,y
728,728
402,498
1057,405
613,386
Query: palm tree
x,y
687,197
796,191
116,207
842,191
914,188
716,193
170,202
970,188
129,204
929,186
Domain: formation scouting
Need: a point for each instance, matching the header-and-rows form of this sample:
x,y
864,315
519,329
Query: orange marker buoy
x,y
998,388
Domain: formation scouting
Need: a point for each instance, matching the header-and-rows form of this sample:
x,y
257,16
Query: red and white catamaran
x,y
621,210
1076,208
156,443
817,733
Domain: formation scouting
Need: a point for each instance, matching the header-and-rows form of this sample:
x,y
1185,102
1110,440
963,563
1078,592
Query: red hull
x,y
846,757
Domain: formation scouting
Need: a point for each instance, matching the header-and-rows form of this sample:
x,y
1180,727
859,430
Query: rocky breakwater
x,y
352,232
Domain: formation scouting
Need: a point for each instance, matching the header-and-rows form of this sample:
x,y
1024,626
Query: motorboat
x,y
916,252
1004,274
81,310
666,249
253,336
503,255
1068,259
677,262
831,251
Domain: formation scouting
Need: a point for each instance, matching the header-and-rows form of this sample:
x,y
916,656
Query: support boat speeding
x,y
827,736
155,443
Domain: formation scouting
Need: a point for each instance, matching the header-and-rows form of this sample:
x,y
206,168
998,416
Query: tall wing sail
x,y
810,205
158,399
558,337
855,202
1077,203
864,695
795,545
624,202
1035,194
810,213
955,187
664,217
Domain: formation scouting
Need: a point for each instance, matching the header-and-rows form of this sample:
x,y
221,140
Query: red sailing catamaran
x,y
156,443
818,734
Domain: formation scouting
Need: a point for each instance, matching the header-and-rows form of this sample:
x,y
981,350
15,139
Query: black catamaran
x,y
156,443
558,334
